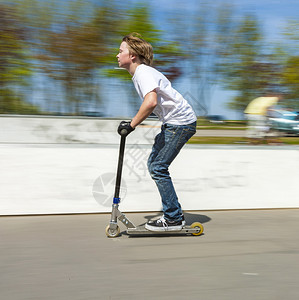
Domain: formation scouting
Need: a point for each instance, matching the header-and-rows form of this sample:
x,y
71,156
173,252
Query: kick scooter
x,y
113,230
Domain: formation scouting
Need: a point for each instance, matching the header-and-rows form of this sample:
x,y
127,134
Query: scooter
x,y
113,230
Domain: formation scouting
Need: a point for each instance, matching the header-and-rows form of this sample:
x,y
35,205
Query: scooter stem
x,y
119,169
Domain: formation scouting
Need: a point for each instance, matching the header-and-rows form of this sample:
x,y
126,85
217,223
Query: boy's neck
x,y
132,68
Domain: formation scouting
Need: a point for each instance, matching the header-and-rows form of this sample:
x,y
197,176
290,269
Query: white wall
x,y
78,178
70,130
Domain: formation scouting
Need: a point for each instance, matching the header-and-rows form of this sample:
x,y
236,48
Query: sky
x,y
272,13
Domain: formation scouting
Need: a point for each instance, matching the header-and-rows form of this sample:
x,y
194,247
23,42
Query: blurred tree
x,y
70,41
290,79
201,55
247,67
71,56
14,67
191,34
204,36
38,19
291,33
211,38
242,68
74,50
290,70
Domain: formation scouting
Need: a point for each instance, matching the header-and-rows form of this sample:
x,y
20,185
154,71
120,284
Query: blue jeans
x,y
168,144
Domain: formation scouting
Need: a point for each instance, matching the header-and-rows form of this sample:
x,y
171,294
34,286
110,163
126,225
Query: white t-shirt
x,y
172,108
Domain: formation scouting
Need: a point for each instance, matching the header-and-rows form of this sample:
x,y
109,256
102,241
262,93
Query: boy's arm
x,y
148,105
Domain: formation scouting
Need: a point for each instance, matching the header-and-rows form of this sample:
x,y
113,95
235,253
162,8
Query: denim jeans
x,y
167,145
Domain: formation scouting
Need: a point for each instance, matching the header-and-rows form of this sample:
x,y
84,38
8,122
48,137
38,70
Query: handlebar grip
x,y
124,132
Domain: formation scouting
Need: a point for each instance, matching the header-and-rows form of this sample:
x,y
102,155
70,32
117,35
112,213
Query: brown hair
x,y
139,47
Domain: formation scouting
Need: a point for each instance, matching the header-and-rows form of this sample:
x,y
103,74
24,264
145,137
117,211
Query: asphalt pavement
x,y
245,254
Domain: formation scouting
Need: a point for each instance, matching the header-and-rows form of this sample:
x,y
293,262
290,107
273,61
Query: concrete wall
x,y
45,178
69,130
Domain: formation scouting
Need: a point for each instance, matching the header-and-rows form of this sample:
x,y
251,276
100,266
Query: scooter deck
x,y
142,231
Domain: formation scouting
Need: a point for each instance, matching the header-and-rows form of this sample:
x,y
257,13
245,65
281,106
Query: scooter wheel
x,y
199,226
112,233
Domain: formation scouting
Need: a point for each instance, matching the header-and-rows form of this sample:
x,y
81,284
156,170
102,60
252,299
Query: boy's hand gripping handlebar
x,y
125,128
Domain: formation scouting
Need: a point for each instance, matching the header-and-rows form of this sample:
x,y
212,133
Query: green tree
x,y
290,63
69,41
14,67
71,52
290,79
247,67
242,69
72,56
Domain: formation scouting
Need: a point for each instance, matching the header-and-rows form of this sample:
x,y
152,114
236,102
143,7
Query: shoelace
x,y
163,221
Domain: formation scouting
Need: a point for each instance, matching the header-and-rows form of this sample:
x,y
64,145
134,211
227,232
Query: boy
x,y
178,124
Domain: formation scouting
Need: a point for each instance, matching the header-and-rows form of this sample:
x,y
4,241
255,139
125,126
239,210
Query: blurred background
x,y
57,57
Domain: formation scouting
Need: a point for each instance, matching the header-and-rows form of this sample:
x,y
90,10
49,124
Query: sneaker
x,y
164,225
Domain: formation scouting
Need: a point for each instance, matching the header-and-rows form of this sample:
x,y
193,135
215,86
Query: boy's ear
x,y
133,56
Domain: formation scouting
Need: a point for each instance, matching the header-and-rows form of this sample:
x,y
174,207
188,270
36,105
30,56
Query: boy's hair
x,y
139,47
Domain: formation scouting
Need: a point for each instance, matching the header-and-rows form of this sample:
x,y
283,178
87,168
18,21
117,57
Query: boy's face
x,y
124,57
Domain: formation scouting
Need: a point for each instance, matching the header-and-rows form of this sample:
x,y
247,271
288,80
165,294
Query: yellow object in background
x,y
260,105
